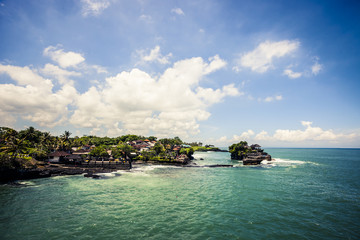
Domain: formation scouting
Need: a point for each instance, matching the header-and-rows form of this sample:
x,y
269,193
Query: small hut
x,y
57,156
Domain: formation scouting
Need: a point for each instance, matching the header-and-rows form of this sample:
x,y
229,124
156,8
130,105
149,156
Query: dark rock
x,y
219,165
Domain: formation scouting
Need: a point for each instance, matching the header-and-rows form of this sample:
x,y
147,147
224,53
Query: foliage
x,y
239,150
171,141
99,151
159,148
126,150
205,149
30,143
187,151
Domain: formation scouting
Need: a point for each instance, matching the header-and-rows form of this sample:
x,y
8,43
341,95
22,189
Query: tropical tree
x,y
238,150
99,151
188,152
11,146
65,141
126,150
31,134
159,148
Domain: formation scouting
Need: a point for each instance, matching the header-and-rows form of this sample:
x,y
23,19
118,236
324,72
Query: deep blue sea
x,y
302,194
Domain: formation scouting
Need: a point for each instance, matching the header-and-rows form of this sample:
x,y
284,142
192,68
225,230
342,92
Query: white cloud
x,y
312,136
316,68
129,102
154,56
94,7
272,98
99,69
310,133
215,63
237,138
64,59
146,18
291,74
32,98
137,103
178,11
60,74
263,135
24,76
260,59
211,96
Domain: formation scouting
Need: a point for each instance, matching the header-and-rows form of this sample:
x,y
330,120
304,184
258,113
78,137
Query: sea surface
x,y
302,194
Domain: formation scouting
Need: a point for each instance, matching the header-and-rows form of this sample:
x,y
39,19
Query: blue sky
x,y
278,73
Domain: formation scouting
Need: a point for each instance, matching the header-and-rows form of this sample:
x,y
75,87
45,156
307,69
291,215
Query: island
x,y
249,155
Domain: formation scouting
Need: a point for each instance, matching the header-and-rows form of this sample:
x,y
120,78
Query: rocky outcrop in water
x,y
256,158
9,175
250,155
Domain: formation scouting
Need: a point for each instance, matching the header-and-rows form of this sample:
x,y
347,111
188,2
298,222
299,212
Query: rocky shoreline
x,y
11,175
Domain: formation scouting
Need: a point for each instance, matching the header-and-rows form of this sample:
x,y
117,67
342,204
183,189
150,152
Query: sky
x,y
276,73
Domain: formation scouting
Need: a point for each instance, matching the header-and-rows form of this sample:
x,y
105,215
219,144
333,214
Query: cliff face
x,y
256,158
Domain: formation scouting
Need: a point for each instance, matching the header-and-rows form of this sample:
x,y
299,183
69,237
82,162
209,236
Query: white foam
x,y
26,183
106,175
144,169
287,161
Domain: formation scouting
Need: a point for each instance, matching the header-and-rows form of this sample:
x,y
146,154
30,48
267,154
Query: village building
x,y
57,156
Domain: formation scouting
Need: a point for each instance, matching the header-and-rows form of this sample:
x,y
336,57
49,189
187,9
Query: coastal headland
x,y
30,153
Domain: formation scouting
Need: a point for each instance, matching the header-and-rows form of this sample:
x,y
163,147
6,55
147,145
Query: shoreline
x,y
13,175
9,176
52,170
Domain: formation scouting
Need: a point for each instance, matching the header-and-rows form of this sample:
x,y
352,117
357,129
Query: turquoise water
x,y
303,194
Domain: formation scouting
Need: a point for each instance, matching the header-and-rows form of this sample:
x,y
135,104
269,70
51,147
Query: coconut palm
x,y
126,149
65,141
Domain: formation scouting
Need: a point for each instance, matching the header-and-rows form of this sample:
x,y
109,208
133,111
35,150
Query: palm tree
x,y
126,149
13,145
65,140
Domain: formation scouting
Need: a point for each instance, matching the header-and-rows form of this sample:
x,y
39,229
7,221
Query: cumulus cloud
x,y
60,74
32,97
260,59
245,136
316,68
94,7
211,96
309,134
154,56
99,69
174,103
292,74
271,99
64,59
177,11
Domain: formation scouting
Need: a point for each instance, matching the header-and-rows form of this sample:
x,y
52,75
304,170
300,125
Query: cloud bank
x,y
312,135
129,102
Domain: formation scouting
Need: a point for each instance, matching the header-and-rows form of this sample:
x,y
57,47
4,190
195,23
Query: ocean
x,y
302,194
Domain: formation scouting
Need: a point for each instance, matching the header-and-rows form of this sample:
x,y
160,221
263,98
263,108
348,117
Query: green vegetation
x,y
205,149
187,151
22,149
239,150
99,152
